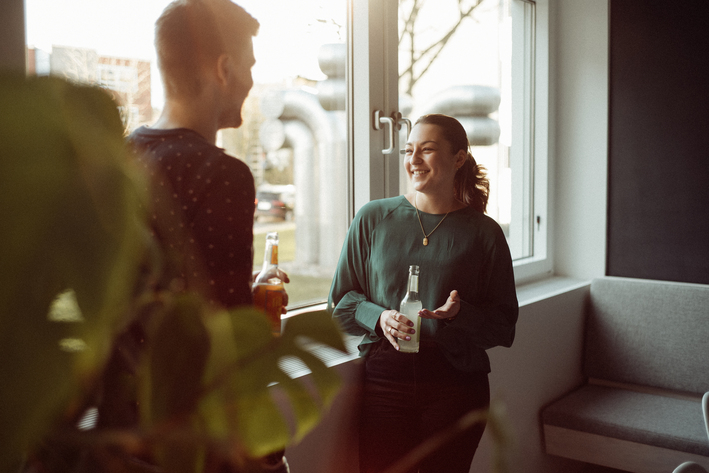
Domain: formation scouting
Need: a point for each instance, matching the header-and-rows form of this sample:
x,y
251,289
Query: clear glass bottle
x,y
410,307
268,288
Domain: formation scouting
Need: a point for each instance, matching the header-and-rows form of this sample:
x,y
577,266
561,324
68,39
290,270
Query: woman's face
x,y
430,163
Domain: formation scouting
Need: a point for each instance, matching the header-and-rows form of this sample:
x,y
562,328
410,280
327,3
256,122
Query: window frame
x,y
540,263
373,61
371,174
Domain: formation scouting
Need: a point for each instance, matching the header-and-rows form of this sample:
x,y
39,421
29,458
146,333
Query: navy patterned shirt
x,y
202,212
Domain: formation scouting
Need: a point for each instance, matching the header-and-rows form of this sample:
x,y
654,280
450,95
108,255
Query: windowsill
x,y
532,292
527,294
295,368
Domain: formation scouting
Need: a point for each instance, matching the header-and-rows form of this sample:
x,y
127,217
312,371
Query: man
x,y
202,206
203,199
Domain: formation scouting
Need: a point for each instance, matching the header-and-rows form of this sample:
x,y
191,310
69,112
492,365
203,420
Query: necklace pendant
x,y
425,241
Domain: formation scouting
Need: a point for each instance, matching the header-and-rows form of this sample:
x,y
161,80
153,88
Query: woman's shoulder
x,y
376,211
482,222
381,207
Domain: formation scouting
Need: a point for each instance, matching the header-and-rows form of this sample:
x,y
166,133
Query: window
x,y
457,59
484,62
323,69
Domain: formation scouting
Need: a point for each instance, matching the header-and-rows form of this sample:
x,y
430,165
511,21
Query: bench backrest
x,y
651,333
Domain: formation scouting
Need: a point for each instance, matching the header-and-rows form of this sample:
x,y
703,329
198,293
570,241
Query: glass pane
x,y
294,135
294,131
455,58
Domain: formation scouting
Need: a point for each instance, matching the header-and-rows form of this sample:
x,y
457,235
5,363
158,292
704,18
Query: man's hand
x,y
283,276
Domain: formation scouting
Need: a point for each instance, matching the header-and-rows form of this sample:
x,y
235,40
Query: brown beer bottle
x,y
268,288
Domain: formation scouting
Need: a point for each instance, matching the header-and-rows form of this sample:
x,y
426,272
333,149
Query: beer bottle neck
x,y
413,287
270,256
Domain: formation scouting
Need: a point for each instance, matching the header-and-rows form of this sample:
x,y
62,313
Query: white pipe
x,y
331,181
462,101
300,138
332,58
470,104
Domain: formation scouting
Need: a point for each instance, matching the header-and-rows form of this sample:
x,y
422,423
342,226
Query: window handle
x,y
407,122
378,122
398,118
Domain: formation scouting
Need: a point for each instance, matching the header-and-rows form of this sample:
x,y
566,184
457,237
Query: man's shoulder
x,y
176,140
183,144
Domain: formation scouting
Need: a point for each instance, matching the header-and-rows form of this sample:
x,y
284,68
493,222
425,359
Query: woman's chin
x,y
418,184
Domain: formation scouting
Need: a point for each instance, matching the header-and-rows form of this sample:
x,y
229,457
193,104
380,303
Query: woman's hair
x,y
192,34
471,184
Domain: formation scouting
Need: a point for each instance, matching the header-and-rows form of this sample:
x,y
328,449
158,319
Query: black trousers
x,y
408,398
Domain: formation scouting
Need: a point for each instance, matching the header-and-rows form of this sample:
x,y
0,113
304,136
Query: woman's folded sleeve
x,y
348,302
357,315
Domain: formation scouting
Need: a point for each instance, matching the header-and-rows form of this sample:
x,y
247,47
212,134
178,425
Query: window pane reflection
x,y
294,132
294,139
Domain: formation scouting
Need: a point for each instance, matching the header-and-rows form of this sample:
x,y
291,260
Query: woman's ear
x,y
460,158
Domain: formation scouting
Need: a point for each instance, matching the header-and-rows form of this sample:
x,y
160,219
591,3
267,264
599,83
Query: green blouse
x,y
468,252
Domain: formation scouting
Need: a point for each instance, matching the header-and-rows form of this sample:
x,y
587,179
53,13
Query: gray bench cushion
x,y
651,333
672,423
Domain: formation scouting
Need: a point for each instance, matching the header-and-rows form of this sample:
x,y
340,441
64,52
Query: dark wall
x,y
658,215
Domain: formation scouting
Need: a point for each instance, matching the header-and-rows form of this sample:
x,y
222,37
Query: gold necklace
x,y
425,237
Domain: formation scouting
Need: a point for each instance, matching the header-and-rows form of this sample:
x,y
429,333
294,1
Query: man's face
x,y
239,86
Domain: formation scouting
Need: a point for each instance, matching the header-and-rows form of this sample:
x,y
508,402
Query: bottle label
x,y
274,302
269,299
274,254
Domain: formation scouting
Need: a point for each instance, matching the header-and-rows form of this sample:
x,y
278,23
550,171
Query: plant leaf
x,y
242,367
178,356
69,206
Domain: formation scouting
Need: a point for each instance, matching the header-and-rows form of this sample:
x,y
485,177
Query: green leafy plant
x,y
73,254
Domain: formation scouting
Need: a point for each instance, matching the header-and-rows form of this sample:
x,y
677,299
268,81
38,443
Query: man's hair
x,y
192,34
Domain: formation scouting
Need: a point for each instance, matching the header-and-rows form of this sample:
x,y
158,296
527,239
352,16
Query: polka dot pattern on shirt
x,y
206,218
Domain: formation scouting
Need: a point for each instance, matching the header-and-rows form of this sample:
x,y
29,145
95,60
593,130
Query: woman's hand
x,y
395,326
447,311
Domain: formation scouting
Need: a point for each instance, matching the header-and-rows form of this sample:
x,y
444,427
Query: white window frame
x,y
373,62
534,58
374,76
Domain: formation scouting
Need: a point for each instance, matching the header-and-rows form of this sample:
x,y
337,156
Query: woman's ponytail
x,y
471,184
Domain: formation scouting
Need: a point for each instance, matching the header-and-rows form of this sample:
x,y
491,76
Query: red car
x,y
270,204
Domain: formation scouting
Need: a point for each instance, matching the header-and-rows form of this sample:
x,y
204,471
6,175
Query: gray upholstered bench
x,y
646,359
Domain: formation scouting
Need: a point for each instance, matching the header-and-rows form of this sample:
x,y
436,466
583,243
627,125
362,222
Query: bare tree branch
x,y
416,57
410,19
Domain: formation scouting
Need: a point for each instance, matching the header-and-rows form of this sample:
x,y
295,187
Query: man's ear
x,y
224,68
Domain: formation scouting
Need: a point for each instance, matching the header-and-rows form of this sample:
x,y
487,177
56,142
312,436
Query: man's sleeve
x,y
224,229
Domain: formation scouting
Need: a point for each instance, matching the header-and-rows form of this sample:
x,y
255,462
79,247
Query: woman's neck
x,y
434,204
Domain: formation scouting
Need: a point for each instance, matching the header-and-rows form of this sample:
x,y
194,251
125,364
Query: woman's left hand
x,y
447,311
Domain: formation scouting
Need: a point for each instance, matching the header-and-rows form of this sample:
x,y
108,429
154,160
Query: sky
x,y
286,46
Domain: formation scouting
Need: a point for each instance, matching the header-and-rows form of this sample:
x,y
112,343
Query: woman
x,y
465,274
